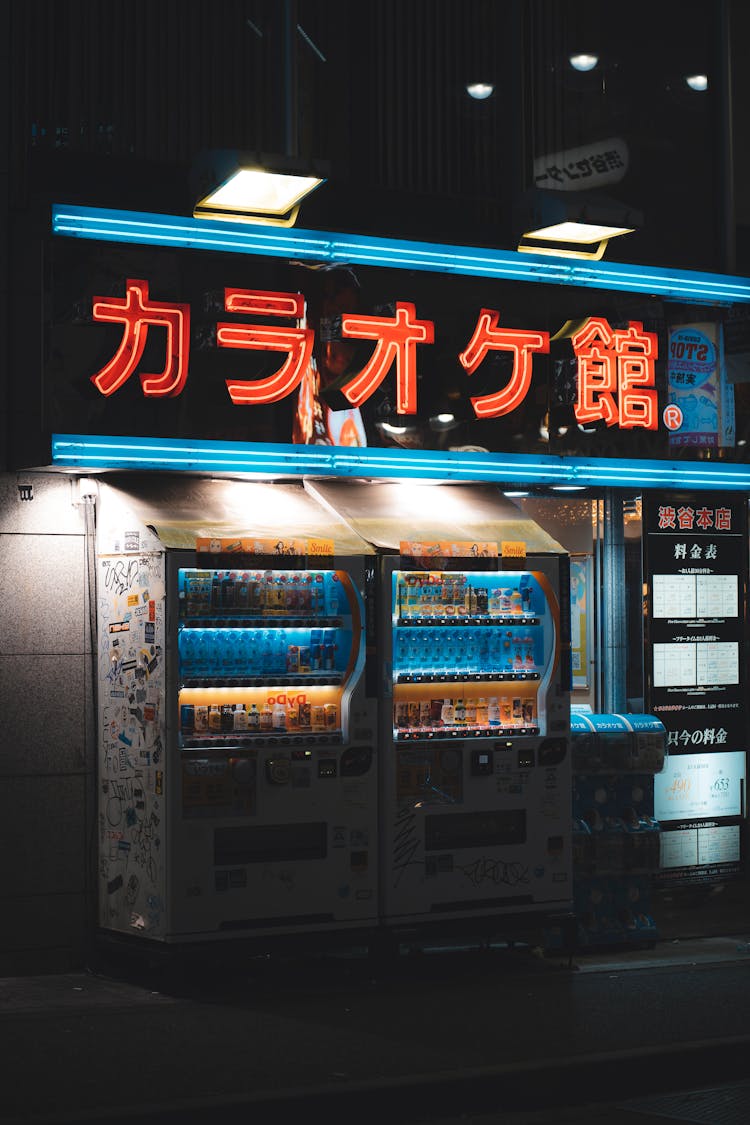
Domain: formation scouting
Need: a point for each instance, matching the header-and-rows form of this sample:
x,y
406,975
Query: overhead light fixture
x,y
252,189
697,82
389,428
480,90
443,420
565,224
252,195
584,62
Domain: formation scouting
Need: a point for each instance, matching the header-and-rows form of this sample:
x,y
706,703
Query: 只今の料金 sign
x,y
615,366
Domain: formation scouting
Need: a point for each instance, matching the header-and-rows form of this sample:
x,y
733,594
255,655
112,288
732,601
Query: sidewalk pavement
x,y
429,1036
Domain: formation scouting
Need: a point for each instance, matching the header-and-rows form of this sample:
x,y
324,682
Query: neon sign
x,y
487,336
616,379
136,312
296,342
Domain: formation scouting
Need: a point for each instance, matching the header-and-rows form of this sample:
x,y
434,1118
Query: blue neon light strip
x,y
87,453
324,246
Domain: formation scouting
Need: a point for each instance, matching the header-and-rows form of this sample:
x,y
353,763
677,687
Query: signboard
x,y
581,567
700,786
246,545
447,550
698,387
695,563
447,555
701,854
588,166
695,552
157,342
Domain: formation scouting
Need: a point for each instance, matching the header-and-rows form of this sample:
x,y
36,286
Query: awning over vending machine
x,y
387,513
182,509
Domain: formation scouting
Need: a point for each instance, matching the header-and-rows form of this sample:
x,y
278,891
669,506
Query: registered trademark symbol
x,y
672,416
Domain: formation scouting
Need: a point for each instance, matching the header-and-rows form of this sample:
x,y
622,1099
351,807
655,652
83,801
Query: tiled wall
x,y
46,728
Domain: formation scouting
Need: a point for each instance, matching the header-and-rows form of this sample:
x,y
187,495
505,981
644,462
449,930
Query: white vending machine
x,y
476,770
237,774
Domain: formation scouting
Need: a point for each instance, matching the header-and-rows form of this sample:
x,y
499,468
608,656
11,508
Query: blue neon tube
x,y
86,453
222,236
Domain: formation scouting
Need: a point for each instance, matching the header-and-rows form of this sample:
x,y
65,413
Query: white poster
x,y
679,849
719,845
700,786
696,664
695,596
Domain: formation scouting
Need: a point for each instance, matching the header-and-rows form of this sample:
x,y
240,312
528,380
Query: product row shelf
x,y
247,740
242,620
415,734
302,679
461,677
616,853
614,911
418,621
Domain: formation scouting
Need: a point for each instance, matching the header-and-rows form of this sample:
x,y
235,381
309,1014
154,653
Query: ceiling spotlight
x,y
480,90
445,420
583,62
698,82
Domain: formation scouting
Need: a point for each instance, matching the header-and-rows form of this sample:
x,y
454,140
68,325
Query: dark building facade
x,y
133,106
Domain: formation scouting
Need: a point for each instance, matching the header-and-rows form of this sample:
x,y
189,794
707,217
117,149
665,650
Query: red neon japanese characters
x,y
488,337
612,362
396,338
615,367
136,312
296,342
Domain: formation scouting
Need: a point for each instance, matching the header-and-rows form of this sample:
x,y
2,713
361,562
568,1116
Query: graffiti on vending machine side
x,y
130,676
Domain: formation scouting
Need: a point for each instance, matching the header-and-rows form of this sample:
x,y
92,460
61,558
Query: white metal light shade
x,y
583,62
479,90
566,223
255,195
585,233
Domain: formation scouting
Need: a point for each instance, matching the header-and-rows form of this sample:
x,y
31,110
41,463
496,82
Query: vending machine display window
x,y
472,650
265,653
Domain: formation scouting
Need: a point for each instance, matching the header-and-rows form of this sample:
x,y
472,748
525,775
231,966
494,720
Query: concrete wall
x,y
47,734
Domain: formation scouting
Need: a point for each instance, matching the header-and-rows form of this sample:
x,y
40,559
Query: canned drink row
x,y
224,718
469,712
266,593
441,594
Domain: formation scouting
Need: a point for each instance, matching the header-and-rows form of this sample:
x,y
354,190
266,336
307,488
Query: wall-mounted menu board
x,y
695,549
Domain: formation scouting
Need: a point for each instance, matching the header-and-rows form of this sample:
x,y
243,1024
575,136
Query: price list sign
x,y
695,570
696,559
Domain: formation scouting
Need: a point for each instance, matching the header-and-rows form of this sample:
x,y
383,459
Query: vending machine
x,y
238,792
476,769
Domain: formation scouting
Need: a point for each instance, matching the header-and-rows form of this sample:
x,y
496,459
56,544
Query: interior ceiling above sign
x,y
182,509
386,513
